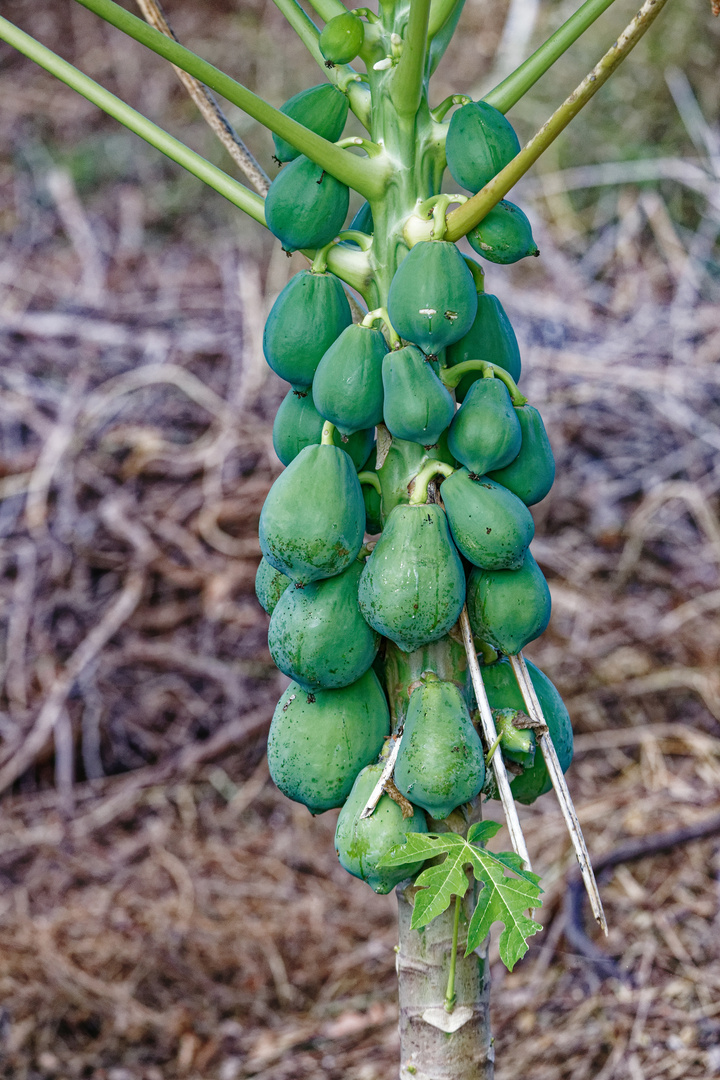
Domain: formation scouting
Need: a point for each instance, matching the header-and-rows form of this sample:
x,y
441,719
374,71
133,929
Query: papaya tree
x,y
396,566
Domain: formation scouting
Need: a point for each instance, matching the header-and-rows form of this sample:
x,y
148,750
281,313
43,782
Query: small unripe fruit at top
x,y
342,38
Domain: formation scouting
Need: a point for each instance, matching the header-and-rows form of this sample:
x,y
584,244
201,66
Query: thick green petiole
x,y
359,173
516,85
215,178
452,376
450,995
406,88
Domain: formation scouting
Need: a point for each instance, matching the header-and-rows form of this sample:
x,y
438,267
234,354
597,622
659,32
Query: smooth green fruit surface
x,y
321,108
441,763
317,635
509,608
503,693
491,527
348,386
480,142
417,407
298,424
361,844
309,313
485,433
341,38
504,235
270,584
531,474
432,299
490,338
413,586
306,207
363,220
313,520
319,741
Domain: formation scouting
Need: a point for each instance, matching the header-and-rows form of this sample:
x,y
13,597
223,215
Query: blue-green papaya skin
x,y
441,763
270,584
310,312
348,386
317,635
298,424
485,433
504,235
490,338
417,407
432,299
363,220
491,527
341,39
305,207
503,693
403,461
323,109
313,521
480,142
509,608
320,740
413,586
532,473
361,844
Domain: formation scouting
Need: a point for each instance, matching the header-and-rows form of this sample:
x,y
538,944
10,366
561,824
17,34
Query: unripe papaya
x,y
363,220
313,520
348,386
270,584
491,527
305,206
504,235
509,608
413,586
321,108
341,38
503,693
432,299
319,741
490,338
480,142
298,424
317,635
310,312
361,844
485,433
441,763
531,474
417,406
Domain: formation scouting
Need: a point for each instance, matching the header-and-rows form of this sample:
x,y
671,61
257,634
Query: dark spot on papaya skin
x,y
299,584
311,699
431,446
488,530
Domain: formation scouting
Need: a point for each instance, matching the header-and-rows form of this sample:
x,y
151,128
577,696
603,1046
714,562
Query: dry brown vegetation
x,y
165,913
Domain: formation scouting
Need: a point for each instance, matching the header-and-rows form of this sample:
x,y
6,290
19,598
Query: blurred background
x,y
165,912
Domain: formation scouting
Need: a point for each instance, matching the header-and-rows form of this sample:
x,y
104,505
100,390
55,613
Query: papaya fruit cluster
x,y
348,612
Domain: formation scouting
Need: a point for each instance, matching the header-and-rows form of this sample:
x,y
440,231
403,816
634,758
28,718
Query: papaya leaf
x,y
503,899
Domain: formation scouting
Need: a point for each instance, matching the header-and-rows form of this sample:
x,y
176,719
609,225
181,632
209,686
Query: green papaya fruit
x,y
432,299
446,658
490,338
517,743
373,502
531,474
317,635
341,39
441,763
270,584
403,461
413,586
322,108
417,406
348,386
298,424
485,433
480,142
491,527
361,844
310,312
319,741
363,220
503,693
504,235
509,608
305,207
313,521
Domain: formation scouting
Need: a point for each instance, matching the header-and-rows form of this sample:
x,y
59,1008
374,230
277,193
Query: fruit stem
x,y
370,478
319,263
450,995
491,752
423,478
328,430
382,313
371,148
440,111
452,376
